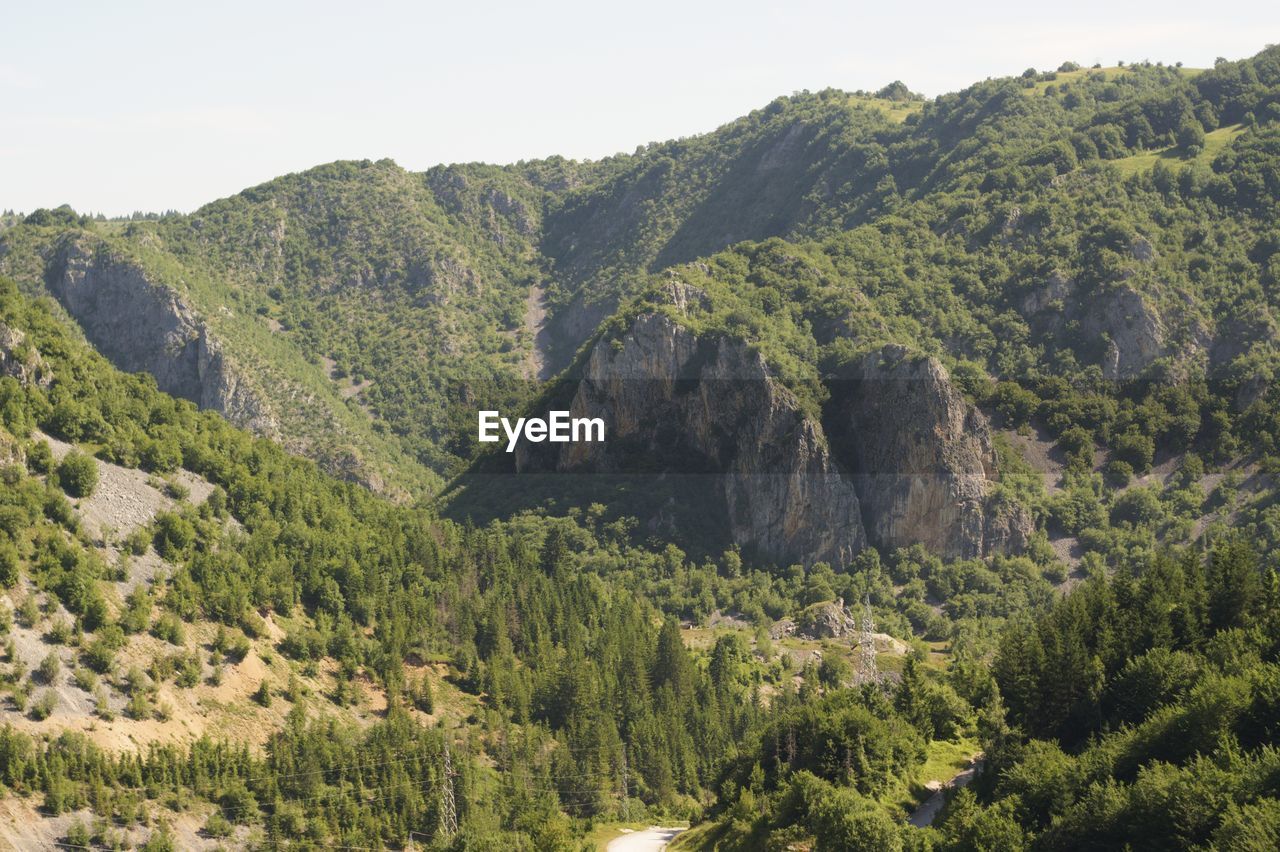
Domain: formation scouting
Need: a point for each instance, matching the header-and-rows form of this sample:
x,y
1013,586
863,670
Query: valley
x,y
938,445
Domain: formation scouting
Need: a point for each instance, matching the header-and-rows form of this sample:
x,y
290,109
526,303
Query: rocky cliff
x,y
921,458
678,403
908,460
143,326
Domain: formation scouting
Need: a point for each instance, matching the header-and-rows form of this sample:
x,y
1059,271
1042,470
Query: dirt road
x,y
652,839
925,814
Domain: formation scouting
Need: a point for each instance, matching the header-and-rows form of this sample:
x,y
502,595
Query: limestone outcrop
x,y
20,361
678,403
919,454
899,458
144,326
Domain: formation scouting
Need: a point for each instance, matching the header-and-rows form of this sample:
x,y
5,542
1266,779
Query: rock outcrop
x,y
908,461
920,455
1119,329
11,451
143,326
20,361
1134,330
675,402
826,620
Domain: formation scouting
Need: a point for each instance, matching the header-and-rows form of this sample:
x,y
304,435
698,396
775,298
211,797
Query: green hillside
x,y
280,641
393,301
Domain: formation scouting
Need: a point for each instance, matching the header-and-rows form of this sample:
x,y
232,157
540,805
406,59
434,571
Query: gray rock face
x,y
912,461
142,326
1136,332
667,393
1056,289
921,456
20,361
827,620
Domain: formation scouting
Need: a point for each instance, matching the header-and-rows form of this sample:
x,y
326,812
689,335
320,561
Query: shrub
x,y
422,695
139,705
173,535
8,564
137,614
161,840
50,668
253,625
29,612
78,474
1136,448
136,542
101,706
85,679
43,707
1139,506
1117,473
59,632
1191,137
1056,573
161,456
834,671
100,654
39,457
176,490
78,835
189,672
217,826
238,649
169,628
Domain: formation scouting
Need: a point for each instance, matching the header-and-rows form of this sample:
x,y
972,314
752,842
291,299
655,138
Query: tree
x,y
8,564
1191,137
834,671
50,667
78,474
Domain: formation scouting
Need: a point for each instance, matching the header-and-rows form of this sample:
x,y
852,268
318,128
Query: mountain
x,y
934,428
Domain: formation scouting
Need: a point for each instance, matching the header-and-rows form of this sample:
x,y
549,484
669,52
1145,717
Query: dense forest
x,y
1090,253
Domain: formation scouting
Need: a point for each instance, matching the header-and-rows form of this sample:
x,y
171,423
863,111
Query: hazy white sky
x,y
113,107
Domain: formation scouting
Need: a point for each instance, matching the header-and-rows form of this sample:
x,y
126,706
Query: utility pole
x,y
448,805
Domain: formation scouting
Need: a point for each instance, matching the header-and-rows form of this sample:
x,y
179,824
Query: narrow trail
x,y
652,839
927,812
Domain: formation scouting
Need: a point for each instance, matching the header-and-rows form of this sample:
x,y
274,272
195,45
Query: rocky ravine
x,y
908,459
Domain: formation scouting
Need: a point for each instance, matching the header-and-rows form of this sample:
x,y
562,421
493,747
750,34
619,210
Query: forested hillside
x,y
392,301
976,396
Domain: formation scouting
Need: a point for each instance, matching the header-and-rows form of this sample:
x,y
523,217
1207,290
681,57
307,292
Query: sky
x,y
124,106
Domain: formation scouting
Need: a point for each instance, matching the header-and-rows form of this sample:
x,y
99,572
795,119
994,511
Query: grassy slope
x,y
1214,142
